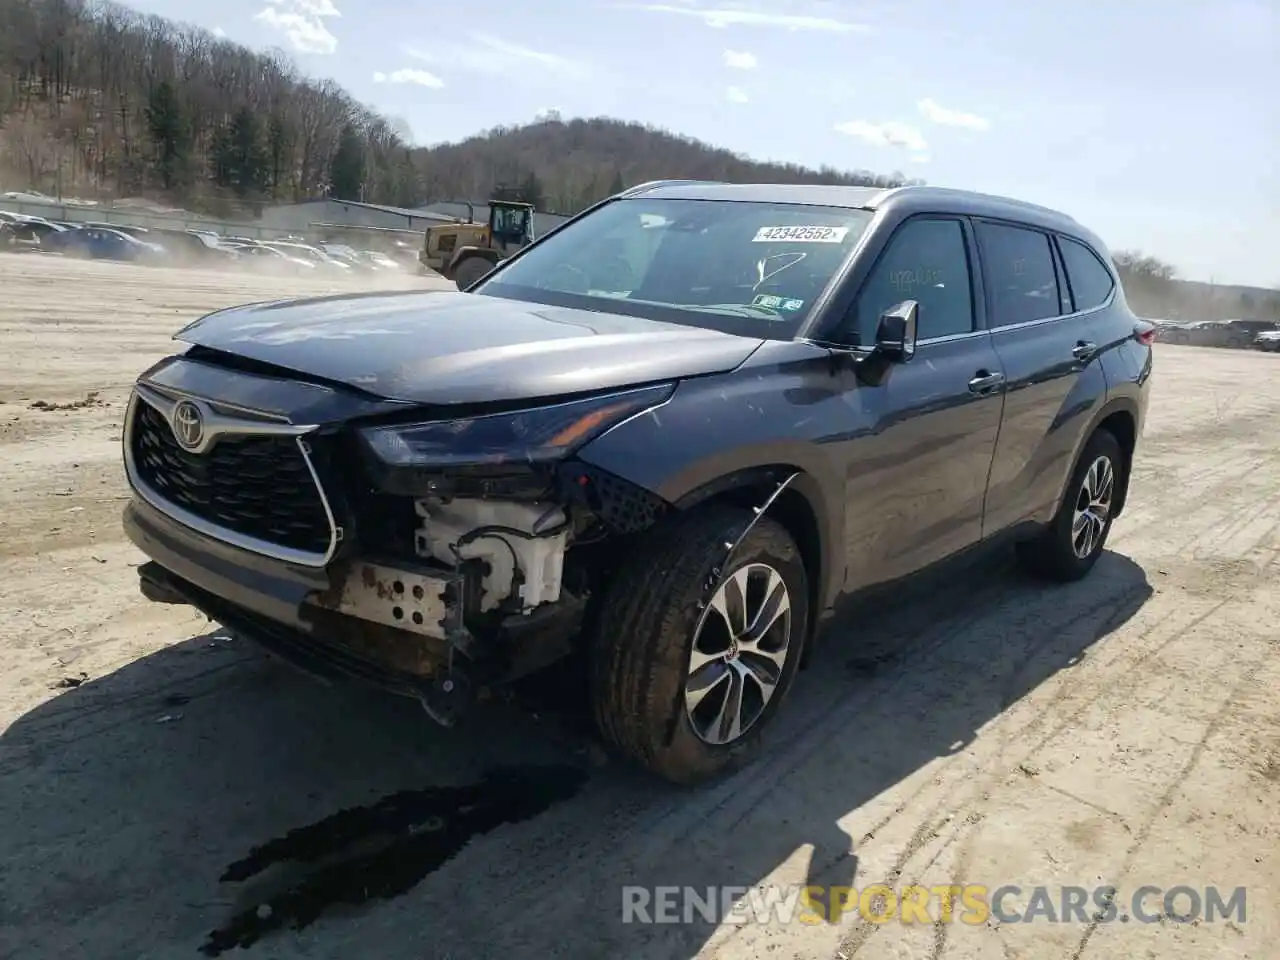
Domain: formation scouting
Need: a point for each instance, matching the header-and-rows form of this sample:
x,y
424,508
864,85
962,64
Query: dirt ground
x,y
155,773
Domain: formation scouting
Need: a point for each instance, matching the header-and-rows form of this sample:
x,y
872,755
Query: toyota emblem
x,y
188,424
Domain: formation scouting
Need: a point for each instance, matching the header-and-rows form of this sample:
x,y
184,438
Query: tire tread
x,y
639,646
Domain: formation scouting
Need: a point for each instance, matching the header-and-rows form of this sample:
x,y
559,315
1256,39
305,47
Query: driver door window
x,y
927,261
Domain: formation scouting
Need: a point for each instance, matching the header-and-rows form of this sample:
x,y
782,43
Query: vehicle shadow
x,y
204,798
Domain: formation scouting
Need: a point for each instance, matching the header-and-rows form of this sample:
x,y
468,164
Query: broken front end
x,y
429,555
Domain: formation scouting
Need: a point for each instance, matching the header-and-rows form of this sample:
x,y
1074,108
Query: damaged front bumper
x,y
401,630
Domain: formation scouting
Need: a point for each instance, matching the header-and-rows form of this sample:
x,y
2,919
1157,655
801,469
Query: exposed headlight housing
x,y
532,436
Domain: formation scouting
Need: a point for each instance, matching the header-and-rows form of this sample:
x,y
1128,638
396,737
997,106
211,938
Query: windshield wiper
x,y
752,310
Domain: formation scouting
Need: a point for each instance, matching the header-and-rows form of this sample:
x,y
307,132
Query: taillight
x,y
1144,333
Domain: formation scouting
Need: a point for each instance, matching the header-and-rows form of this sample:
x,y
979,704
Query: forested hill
x,y
101,101
575,162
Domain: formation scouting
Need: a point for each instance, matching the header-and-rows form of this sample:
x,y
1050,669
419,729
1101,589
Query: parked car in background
x,y
27,234
1251,328
304,251
1177,331
100,243
260,258
345,254
1213,333
379,260
198,249
139,233
1268,341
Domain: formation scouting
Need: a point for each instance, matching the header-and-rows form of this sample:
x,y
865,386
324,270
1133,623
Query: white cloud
x,y
736,95
740,60
218,32
721,17
891,134
302,23
934,112
408,75
487,54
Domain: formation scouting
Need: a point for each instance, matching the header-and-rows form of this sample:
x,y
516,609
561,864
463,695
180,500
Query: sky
x,y
1157,124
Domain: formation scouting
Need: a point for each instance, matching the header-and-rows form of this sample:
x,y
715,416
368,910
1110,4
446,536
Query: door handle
x,y
1084,350
985,382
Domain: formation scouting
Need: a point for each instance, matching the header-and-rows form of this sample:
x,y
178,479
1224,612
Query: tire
x,y
470,270
1058,554
641,649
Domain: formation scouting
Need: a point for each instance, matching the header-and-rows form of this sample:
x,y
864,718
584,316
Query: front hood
x,y
446,347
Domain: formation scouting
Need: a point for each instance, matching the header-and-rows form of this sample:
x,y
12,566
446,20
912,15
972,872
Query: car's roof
x,y
909,199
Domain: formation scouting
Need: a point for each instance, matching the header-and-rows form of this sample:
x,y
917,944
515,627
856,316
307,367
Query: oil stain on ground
x,y
384,849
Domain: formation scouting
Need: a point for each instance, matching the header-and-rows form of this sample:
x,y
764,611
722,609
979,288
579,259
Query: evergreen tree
x,y
346,169
279,146
170,132
239,157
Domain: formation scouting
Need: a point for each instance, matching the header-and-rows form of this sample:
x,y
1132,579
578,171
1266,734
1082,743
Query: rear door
x,y
917,476
1050,353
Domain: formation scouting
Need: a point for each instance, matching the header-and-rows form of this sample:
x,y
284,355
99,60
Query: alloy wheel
x,y
739,650
1093,507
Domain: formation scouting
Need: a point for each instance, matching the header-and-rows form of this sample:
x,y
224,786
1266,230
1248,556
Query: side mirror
x,y
896,332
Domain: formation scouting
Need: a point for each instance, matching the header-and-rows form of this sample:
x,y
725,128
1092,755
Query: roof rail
x,y
994,197
640,188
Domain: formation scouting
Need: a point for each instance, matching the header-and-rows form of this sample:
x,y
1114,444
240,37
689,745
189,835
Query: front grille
x,y
447,242
256,486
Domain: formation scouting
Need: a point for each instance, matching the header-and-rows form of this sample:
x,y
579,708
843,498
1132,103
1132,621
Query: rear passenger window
x,y
1020,274
1090,281
926,261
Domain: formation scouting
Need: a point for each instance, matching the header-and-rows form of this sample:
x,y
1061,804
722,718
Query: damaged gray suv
x,y
672,436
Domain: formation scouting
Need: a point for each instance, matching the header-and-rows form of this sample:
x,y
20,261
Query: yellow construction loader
x,y
465,252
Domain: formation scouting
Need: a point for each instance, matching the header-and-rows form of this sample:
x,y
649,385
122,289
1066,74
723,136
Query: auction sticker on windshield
x,y
789,304
801,234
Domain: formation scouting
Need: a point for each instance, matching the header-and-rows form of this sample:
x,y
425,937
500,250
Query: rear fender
x,y
1116,405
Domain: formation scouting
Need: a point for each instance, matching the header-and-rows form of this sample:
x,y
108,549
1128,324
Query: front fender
x,y
728,433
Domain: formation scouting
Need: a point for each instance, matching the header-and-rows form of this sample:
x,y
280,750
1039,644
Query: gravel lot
x,y
1122,731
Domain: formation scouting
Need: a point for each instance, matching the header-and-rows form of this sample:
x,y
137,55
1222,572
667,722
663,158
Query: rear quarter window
x,y
1090,281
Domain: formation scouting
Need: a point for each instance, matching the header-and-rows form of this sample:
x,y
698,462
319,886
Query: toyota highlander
x,y
673,437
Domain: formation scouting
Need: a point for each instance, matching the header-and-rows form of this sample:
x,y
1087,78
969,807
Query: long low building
x,y
314,219
310,216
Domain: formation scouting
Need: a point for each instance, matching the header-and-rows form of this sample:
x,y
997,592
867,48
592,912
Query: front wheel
x,y
471,270
688,668
1069,547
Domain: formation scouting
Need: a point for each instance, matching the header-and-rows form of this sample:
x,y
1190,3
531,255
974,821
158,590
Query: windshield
x,y
752,268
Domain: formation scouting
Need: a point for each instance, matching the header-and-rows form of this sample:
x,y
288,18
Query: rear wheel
x,y
471,270
1069,547
688,668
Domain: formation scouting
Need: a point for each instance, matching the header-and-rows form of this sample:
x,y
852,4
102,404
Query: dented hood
x,y
446,347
